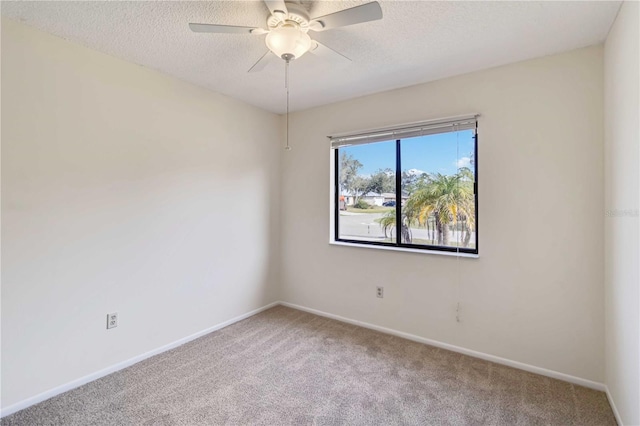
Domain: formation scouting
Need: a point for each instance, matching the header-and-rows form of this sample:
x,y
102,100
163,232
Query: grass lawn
x,y
375,209
429,242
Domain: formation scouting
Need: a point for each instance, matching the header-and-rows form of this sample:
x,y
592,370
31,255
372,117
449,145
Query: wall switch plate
x,y
112,320
380,292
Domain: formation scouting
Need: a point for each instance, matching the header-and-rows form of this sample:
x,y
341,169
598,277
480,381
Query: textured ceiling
x,y
415,42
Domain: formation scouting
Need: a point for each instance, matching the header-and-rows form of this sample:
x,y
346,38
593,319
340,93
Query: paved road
x,y
361,225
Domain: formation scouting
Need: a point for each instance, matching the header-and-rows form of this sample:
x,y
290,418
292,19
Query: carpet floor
x,y
287,367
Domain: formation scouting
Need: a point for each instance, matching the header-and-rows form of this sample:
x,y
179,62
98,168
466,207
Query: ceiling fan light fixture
x,y
288,41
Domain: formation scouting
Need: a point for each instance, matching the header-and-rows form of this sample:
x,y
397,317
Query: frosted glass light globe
x,y
288,41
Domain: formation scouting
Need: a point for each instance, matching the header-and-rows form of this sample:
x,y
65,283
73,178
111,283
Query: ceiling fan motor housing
x,y
296,13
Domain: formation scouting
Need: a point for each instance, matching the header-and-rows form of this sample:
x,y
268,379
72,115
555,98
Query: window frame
x,y
398,245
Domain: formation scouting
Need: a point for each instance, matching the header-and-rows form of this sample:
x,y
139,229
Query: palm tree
x,y
448,199
388,223
439,202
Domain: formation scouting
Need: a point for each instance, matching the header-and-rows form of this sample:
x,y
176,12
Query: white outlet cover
x,y
112,320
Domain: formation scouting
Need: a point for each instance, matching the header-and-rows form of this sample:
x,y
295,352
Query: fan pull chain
x,y
286,86
286,75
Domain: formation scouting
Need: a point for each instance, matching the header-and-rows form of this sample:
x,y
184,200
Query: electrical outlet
x,y
112,320
380,292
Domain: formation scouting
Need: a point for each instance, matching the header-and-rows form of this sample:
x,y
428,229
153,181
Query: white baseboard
x,y
613,407
498,360
124,364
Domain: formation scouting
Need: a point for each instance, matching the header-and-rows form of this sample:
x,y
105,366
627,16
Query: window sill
x,y
406,249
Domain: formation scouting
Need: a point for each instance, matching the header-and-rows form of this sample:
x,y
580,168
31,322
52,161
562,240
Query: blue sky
x,y
441,153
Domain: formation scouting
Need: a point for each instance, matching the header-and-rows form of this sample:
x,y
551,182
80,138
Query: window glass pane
x,y
438,190
367,195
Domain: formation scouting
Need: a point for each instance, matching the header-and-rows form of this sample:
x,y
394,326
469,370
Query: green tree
x,y
359,186
437,203
412,181
382,181
348,172
467,223
448,199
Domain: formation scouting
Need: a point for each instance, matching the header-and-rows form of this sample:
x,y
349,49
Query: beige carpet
x,y
284,366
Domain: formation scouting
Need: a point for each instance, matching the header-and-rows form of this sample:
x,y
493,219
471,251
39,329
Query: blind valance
x,y
431,127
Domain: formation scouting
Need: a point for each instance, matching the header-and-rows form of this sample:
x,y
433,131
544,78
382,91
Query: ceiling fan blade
x,y
262,62
355,15
320,50
276,6
213,28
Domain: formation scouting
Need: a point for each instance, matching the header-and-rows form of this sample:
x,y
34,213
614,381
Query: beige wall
x,y
536,293
622,234
123,190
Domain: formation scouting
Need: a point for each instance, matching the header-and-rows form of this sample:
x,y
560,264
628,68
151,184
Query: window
x,y
413,186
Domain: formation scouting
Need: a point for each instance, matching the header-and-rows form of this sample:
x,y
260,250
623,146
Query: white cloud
x,y
463,162
416,172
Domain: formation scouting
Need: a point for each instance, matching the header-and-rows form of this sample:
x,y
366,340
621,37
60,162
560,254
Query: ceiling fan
x,y
287,28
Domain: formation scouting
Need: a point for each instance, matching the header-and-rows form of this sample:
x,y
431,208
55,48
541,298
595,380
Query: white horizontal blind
x,y
431,127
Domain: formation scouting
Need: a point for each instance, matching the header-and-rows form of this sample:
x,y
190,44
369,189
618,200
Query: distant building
x,y
372,198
